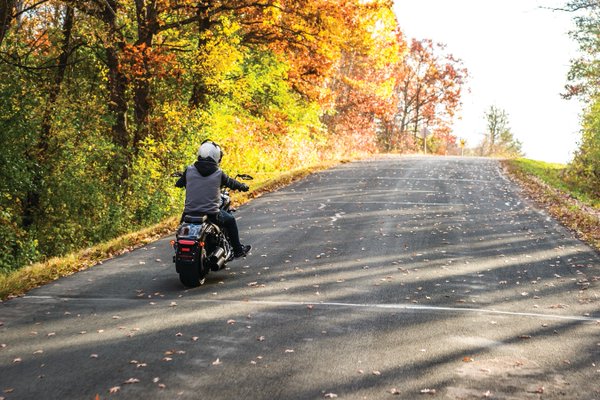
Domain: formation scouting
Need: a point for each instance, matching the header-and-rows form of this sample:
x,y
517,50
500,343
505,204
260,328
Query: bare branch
x,y
31,7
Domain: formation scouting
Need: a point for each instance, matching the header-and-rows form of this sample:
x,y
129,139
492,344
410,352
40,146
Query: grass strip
x,y
543,183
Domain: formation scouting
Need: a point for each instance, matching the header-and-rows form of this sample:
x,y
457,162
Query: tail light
x,y
187,250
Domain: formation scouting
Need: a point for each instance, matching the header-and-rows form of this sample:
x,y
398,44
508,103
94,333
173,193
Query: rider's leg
x,y
230,225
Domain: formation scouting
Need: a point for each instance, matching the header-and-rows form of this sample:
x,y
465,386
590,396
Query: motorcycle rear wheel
x,y
194,277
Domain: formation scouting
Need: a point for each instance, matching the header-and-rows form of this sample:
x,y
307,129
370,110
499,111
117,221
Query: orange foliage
x,y
141,62
428,89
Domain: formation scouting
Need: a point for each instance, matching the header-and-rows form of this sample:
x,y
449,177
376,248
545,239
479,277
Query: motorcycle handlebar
x,y
244,177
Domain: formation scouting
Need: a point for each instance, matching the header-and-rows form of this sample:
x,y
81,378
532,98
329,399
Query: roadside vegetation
x,y
552,188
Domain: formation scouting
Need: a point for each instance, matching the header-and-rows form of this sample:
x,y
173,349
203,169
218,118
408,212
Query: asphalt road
x,y
395,277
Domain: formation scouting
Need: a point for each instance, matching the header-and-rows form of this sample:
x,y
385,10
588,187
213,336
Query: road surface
x,y
394,277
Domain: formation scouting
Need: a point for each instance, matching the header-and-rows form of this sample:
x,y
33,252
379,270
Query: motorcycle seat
x,y
192,219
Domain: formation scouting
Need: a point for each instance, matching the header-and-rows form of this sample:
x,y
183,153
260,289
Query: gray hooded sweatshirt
x,y
203,181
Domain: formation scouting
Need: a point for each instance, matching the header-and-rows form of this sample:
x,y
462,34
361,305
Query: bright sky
x,y
518,57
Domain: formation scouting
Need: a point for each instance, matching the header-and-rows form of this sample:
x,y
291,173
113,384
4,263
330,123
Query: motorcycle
x,y
201,245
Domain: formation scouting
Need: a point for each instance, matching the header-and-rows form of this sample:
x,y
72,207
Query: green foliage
x,y
584,170
18,121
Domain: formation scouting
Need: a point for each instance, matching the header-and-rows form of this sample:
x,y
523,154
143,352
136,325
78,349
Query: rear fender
x,y
193,242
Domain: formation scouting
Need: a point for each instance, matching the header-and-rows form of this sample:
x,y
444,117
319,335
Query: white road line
x,y
419,308
412,307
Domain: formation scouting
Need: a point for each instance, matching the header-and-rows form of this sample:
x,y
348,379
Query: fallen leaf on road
x,y
231,321
130,381
17,360
330,395
376,373
114,389
467,359
289,350
217,362
427,391
395,391
525,337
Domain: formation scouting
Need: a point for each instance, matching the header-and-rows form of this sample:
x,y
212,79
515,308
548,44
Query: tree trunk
x,y
417,110
117,89
32,200
6,13
200,93
58,79
146,15
117,85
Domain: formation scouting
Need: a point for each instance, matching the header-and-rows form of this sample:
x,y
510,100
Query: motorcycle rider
x,y
202,181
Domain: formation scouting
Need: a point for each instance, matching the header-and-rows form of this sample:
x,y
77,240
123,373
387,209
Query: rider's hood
x,y
206,166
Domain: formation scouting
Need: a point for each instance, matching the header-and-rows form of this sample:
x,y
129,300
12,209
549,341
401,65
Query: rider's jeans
x,y
230,225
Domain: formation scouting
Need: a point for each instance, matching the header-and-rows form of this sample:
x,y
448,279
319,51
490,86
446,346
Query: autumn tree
x,y
361,85
429,86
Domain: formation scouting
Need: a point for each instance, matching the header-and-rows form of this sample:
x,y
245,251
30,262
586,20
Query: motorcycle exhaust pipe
x,y
218,257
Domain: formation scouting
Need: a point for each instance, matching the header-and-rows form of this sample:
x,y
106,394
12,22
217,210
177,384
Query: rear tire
x,y
194,277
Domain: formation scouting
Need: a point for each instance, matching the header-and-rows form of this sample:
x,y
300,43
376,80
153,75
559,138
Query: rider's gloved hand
x,y
244,188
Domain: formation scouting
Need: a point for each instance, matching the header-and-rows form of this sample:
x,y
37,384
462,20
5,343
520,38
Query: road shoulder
x,y
582,220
